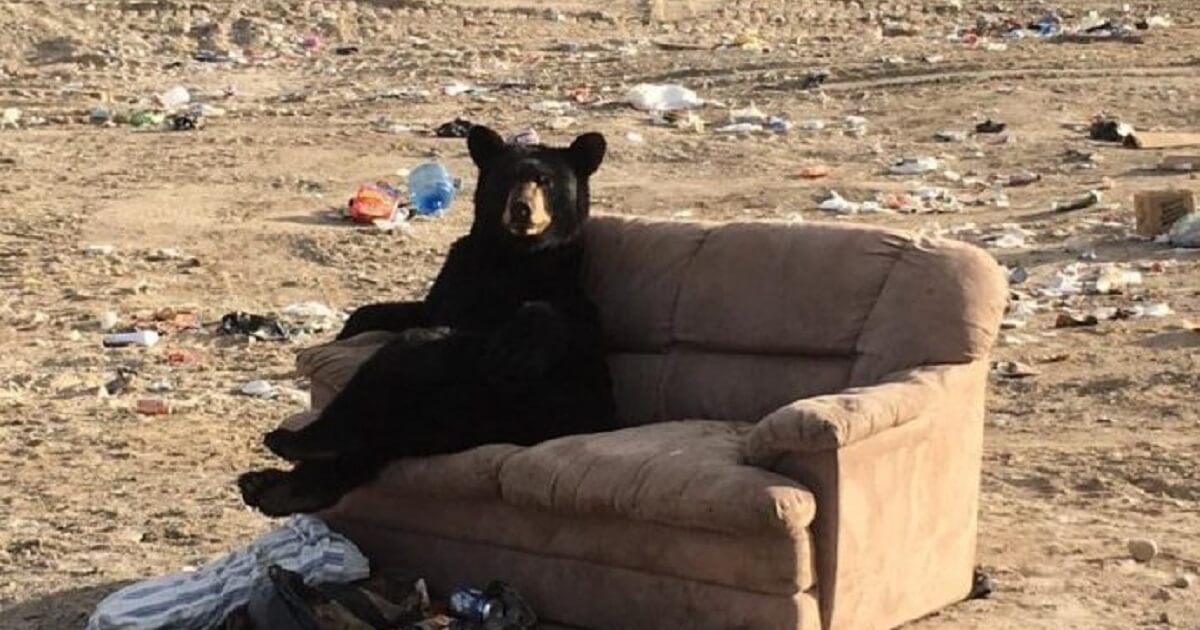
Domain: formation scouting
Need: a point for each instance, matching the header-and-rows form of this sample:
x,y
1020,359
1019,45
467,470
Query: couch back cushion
x,y
731,321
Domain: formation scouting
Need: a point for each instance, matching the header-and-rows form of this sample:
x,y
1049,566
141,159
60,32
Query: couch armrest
x,y
835,421
895,468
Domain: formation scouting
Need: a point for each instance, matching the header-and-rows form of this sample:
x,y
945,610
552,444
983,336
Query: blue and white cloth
x,y
201,599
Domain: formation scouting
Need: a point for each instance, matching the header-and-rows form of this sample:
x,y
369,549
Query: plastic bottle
x,y
430,188
138,338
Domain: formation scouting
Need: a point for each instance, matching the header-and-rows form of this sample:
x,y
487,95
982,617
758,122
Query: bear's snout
x,y
527,212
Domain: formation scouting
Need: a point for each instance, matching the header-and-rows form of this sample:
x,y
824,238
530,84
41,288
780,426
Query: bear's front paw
x,y
297,446
276,493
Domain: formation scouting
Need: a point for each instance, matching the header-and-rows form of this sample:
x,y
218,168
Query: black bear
x,y
505,348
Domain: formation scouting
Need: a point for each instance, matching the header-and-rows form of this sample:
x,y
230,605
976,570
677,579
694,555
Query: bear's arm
x,y
389,316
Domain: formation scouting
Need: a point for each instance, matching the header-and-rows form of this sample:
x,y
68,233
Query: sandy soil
x,y
1099,448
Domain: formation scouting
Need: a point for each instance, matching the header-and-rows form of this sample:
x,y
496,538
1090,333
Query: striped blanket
x,y
201,599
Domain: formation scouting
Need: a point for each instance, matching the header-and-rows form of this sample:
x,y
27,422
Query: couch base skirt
x,y
578,593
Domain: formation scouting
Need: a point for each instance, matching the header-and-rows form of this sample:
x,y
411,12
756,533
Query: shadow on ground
x,y
57,611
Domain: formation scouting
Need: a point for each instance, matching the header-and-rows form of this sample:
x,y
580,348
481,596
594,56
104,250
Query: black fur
x,y
506,348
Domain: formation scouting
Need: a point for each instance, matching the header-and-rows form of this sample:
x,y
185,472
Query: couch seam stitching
x,y
875,305
669,363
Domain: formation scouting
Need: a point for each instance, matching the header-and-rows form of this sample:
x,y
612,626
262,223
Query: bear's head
x,y
532,197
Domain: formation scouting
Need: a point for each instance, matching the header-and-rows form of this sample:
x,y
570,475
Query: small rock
x,y
1143,549
1161,595
1185,580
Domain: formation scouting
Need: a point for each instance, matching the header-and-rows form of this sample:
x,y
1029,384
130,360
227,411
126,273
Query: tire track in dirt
x,y
873,76
1158,71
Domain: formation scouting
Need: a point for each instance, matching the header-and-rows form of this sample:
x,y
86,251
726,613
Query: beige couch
x,y
805,410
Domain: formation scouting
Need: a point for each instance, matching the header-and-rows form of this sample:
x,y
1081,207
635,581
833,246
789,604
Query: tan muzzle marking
x,y
527,212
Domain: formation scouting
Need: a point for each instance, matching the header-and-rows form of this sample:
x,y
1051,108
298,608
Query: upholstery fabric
x,y
685,474
775,564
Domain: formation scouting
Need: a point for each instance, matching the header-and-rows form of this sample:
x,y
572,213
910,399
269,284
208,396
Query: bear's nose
x,y
520,211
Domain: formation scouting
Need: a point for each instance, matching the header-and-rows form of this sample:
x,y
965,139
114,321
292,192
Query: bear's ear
x,y
484,145
587,152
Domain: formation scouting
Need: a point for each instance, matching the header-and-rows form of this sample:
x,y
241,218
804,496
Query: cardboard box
x,y
1158,210
1162,140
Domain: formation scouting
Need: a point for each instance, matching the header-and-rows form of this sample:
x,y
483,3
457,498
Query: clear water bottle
x,y
430,188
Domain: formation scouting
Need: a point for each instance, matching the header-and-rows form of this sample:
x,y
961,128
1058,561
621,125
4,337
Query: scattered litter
x,y
457,128
159,386
950,136
1017,275
815,79
100,114
1013,369
1067,320
149,407
662,97
1113,280
310,310
856,126
1157,309
990,126
812,125
915,166
258,389
99,250
1162,140
257,326
497,601
551,107
634,137
1156,211
147,118
1180,163
431,190
373,201
526,137
174,98
1020,178
1109,129
561,123
456,88
836,203
739,128
1010,236
10,117
184,122
119,382
145,338
814,172
1186,231
1090,199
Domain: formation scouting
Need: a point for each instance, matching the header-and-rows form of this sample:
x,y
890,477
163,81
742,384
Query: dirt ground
x,y
1102,446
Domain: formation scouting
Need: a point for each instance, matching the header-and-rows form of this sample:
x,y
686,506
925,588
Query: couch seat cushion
x,y
684,474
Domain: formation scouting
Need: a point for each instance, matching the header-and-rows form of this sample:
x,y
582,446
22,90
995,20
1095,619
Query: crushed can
x,y
473,604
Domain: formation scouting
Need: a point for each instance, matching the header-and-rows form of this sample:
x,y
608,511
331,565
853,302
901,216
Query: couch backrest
x,y
731,321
